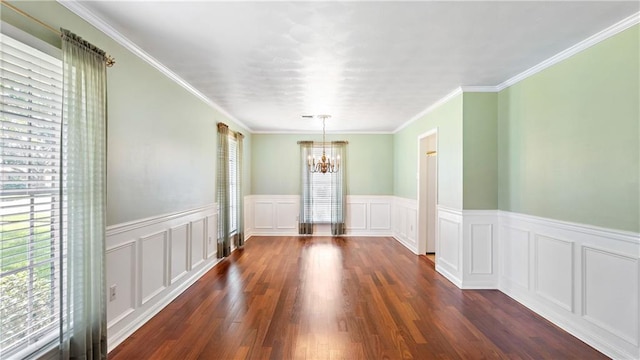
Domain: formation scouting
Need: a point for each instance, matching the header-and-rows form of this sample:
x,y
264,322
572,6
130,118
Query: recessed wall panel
x,y
152,265
357,216
515,244
263,215
610,292
179,252
212,236
197,242
481,249
380,216
449,237
120,272
286,214
554,270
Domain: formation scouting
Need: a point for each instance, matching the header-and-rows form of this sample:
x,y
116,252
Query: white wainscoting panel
x,y
380,216
554,283
583,278
610,292
148,261
357,216
480,249
198,242
263,214
287,215
120,276
212,236
153,265
515,262
449,244
404,219
179,250
278,215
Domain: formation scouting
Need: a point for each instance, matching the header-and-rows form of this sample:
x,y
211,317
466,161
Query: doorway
x,y
427,192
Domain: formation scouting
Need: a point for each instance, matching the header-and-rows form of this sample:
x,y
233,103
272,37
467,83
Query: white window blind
x,y
233,184
30,202
320,191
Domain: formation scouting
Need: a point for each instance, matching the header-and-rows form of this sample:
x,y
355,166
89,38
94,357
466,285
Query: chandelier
x,y
325,164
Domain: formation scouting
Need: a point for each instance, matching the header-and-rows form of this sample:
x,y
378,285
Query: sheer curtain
x,y
239,206
222,191
305,219
84,117
338,189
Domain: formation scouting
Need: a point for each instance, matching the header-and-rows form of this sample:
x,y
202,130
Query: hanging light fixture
x,y
325,164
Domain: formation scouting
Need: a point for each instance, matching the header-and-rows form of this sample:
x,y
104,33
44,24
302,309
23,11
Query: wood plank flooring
x,y
342,298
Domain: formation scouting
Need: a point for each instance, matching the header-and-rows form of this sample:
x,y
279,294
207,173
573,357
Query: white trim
x,y
137,224
84,13
621,235
563,55
475,89
457,91
299,132
573,50
116,339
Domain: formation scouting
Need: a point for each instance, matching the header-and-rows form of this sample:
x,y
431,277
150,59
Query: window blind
x,y
31,252
320,191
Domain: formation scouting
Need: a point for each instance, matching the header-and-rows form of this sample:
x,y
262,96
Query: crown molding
x,y
479,89
612,30
432,107
297,132
84,13
78,9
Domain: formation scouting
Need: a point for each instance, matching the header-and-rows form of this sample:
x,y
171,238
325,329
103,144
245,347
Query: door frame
x,y
421,225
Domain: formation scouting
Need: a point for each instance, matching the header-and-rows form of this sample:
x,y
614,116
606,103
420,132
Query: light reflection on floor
x,y
321,293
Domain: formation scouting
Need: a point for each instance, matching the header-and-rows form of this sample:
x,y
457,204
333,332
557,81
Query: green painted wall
x,y
276,163
568,138
161,138
480,151
447,118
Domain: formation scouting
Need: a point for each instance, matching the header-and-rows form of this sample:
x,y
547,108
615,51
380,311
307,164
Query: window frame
x,y
45,339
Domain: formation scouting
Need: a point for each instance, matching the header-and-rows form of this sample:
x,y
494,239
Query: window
x,y
321,191
233,185
30,202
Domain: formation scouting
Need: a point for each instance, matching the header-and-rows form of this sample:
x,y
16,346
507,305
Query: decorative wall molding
x,y
146,222
152,261
573,50
563,55
80,10
405,220
271,215
583,278
449,256
455,92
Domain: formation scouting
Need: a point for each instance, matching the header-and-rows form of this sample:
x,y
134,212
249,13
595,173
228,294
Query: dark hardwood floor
x,y
342,298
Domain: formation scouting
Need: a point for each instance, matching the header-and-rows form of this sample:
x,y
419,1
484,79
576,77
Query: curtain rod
x,y
110,61
338,142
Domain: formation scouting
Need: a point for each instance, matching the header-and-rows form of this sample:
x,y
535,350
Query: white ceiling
x,y
371,65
